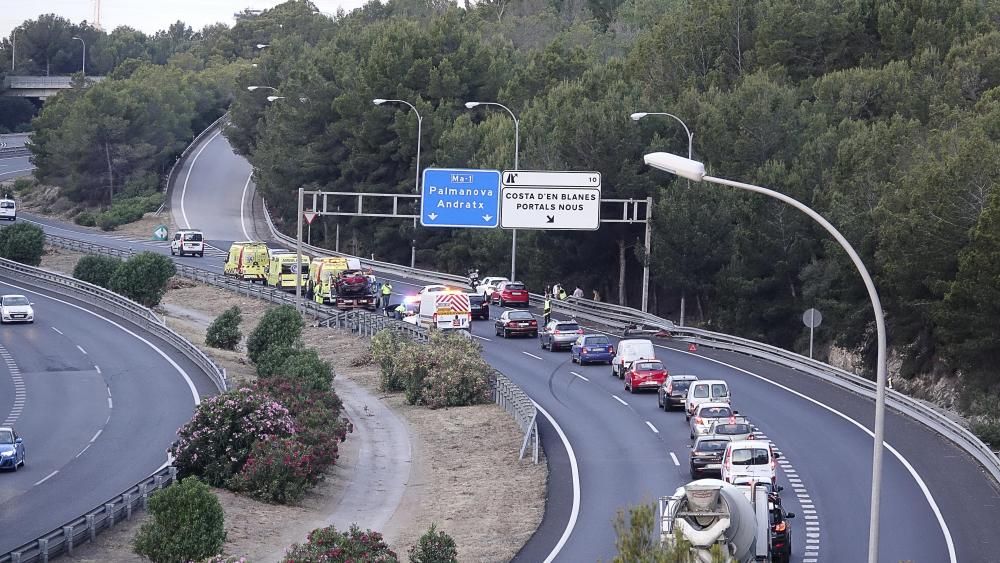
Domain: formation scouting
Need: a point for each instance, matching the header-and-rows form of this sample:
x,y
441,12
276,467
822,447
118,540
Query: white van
x,y
752,460
629,351
8,209
445,311
705,391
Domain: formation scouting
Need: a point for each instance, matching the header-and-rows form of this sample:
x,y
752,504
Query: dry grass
x,y
465,476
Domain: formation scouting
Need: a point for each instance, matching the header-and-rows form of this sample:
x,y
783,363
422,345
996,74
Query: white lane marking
x,y
481,338
47,477
243,198
85,448
530,354
97,368
575,470
180,370
651,427
675,460
57,330
80,348
952,557
184,188
110,405
94,439
16,171
580,376
619,399
19,389
109,391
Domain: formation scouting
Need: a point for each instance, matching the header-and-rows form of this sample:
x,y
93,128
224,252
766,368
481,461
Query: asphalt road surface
x,y
102,401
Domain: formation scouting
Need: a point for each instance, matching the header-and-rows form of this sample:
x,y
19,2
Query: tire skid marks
x,y
808,516
20,397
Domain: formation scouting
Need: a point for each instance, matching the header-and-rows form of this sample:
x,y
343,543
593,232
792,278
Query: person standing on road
x,y
578,293
386,292
562,293
546,311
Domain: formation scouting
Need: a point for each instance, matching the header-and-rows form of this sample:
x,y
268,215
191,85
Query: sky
x,y
148,16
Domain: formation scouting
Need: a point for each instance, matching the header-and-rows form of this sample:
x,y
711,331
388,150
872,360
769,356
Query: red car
x,y
645,374
510,293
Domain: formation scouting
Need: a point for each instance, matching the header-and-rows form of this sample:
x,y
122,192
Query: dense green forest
x,y
885,117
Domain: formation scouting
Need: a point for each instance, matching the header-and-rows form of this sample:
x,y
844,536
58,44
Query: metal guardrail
x,y
119,306
505,392
619,317
85,528
12,152
169,180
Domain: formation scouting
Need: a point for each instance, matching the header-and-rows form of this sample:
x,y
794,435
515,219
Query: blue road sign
x,y
460,198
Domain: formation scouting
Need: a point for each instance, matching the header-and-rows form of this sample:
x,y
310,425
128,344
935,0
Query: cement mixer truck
x,y
710,512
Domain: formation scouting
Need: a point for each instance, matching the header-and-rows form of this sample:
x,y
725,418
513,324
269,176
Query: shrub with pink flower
x,y
278,470
316,413
217,441
330,545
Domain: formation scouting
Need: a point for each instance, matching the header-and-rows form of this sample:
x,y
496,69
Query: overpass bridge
x,y
39,86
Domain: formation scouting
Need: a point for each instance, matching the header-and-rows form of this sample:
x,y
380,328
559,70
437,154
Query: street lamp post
x,y
84,55
517,142
13,48
416,179
693,170
645,272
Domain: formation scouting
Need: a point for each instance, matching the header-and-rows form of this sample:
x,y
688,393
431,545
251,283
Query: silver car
x,y
559,334
736,428
707,414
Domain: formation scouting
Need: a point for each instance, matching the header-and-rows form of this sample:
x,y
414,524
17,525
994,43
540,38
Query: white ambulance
x,y
449,310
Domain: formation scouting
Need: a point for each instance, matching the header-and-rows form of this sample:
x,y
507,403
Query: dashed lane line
x,y
530,354
673,458
20,396
580,376
651,427
47,477
619,399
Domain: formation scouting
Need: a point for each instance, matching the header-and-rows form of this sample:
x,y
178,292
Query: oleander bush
x,y
280,326
385,347
317,416
295,363
217,441
333,546
22,242
187,524
277,470
96,269
143,278
224,332
434,547
448,371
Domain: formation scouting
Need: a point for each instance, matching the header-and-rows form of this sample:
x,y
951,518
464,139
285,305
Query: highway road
x,y
15,167
100,402
937,504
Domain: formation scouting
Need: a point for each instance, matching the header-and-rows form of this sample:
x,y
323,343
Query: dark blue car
x,y
11,449
592,348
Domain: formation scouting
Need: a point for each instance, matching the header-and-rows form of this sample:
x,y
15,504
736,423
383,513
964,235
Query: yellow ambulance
x,y
247,260
281,271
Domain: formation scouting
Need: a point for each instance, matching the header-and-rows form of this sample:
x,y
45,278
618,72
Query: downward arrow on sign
x,y
487,218
432,216
551,218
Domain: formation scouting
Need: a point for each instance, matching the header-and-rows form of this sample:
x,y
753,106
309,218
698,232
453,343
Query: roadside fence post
x,y
109,508
43,549
68,539
92,526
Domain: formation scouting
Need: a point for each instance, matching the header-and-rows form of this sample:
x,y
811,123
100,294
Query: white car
x,y
435,288
488,285
750,459
188,241
16,309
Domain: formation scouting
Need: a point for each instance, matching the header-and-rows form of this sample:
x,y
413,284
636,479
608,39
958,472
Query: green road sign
x,y
160,232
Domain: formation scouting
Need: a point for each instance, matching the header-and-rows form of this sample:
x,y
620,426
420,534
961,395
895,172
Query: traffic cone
x,y
692,347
